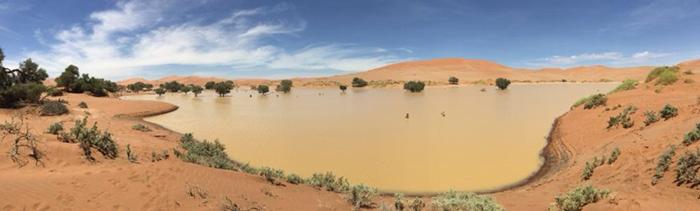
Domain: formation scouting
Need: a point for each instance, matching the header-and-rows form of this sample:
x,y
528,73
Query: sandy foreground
x,y
66,181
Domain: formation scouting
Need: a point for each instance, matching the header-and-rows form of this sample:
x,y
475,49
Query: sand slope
x,y
437,71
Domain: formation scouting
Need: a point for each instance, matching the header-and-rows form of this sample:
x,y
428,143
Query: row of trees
x,y
72,81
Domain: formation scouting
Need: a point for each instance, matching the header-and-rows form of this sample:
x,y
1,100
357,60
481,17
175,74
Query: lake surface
x,y
484,140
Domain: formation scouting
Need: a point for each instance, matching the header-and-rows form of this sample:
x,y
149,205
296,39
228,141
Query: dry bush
x,y
21,139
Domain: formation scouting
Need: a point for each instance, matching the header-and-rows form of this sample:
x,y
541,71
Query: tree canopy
x,y
358,82
263,89
285,86
502,83
414,86
22,85
223,88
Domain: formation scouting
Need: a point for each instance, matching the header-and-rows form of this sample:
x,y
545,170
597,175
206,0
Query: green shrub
x,y
665,75
417,205
502,83
137,87
623,118
89,138
285,86
263,89
130,155
590,167
358,82
692,136
650,117
361,196
294,179
613,156
663,163
82,105
247,168
453,80
628,84
211,154
399,202
53,108
172,86
54,92
223,88
414,86
687,168
159,91
668,112
576,199
209,85
141,127
155,157
55,128
592,101
23,85
273,176
329,182
343,87
464,201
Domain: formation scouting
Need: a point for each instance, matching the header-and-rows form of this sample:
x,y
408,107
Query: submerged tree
x,y
343,88
502,83
285,86
414,86
358,82
209,85
196,89
159,91
223,88
263,89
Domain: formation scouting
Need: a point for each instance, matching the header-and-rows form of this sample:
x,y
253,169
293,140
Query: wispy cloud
x,y
606,58
139,35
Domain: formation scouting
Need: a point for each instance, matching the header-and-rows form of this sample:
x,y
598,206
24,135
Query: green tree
x,y
285,86
453,80
23,85
502,83
186,89
343,88
209,85
263,89
414,86
358,82
159,91
196,89
223,88
137,87
172,86
68,78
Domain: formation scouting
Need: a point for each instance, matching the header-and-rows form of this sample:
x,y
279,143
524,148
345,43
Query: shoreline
x,y
553,155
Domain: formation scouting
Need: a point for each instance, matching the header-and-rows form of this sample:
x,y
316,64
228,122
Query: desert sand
x,y
437,71
66,181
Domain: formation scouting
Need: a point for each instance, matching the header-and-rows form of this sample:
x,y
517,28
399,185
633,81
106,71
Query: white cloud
x,y
608,58
138,35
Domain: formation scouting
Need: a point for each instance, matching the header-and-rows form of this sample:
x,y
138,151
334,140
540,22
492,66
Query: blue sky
x,y
276,39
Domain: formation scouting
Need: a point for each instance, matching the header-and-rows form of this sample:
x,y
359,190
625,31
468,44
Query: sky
x,y
118,39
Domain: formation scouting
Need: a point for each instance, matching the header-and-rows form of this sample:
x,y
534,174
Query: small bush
x,y
54,92
417,205
414,86
590,167
358,82
502,83
623,118
229,205
22,138
628,84
668,112
453,80
687,168
692,136
247,168
294,179
53,108
663,163
399,202
155,157
361,196
130,155
284,86
82,105
464,201
650,117
273,176
263,89
55,128
329,182
343,87
576,199
592,101
89,138
613,156
211,154
159,91
141,127
665,75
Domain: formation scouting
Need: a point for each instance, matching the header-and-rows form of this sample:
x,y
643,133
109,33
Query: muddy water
x,y
484,140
